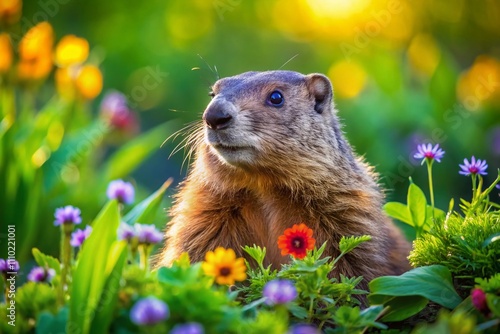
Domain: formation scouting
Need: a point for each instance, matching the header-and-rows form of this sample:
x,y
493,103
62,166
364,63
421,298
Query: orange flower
x,y
5,53
37,42
224,266
10,11
296,241
89,82
35,51
71,50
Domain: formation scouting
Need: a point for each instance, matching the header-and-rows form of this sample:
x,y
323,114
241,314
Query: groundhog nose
x,y
217,118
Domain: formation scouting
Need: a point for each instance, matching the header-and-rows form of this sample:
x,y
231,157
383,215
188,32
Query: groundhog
x,y
271,154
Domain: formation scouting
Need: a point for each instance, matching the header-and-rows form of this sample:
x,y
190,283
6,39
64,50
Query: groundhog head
x,y
271,119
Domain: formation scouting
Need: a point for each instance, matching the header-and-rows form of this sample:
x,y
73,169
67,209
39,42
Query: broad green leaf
x,y
439,214
95,261
417,204
145,212
398,211
401,307
432,282
130,155
44,260
104,315
493,302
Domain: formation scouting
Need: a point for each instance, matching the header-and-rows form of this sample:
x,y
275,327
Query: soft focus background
x,y
404,72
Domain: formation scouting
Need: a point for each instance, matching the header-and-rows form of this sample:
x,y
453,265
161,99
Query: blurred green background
x,y
404,72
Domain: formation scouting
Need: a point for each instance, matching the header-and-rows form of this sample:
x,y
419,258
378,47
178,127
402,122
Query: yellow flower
x,y
10,11
71,50
224,266
37,42
89,82
5,53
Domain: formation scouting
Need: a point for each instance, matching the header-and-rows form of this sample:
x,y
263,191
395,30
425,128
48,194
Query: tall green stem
x,y
66,256
144,256
431,189
473,176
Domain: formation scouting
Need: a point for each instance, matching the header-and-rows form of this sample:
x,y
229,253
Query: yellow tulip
x,y
5,53
71,50
37,42
89,82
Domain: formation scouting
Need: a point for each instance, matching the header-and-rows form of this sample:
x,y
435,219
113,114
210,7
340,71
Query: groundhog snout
x,y
217,116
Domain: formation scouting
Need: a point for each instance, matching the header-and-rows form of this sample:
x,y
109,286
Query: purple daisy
x,y
279,292
79,236
148,234
149,311
40,274
429,152
474,167
67,215
121,191
126,232
188,328
8,266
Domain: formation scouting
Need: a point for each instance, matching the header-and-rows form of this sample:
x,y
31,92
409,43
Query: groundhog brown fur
x,y
271,154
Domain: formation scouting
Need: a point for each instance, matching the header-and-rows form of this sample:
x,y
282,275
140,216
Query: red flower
x,y
478,298
296,241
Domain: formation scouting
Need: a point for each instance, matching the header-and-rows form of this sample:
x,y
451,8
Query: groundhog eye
x,y
211,94
276,99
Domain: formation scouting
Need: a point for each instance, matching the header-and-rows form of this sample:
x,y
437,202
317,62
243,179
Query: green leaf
x,y
298,311
125,160
431,282
145,212
417,204
46,261
347,244
438,214
257,253
398,211
95,263
52,324
104,315
400,308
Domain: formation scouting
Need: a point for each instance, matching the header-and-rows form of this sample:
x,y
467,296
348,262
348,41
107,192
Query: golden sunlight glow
x,y
479,84
348,79
424,54
337,8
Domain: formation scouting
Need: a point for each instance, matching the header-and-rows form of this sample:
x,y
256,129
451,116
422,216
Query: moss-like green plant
x,y
463,244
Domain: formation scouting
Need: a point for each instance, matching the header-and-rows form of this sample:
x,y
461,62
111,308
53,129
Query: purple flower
x,y
9,266
125,231
474,167
40,274
114,109
121,191
67,215
79,236
478,299
303,329
188,328
429,152
148,234
497,186
149,311
279,292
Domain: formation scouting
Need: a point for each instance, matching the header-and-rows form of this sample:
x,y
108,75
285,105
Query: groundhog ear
x,y
320,88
